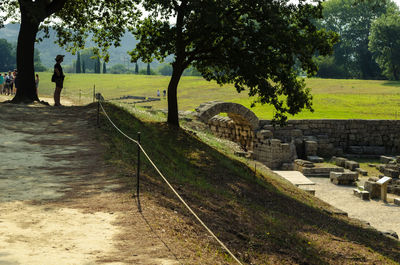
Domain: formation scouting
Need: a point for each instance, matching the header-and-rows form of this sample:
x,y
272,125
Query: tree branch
x,y
55,6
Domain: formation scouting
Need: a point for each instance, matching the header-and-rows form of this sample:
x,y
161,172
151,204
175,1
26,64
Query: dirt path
x,y
59,202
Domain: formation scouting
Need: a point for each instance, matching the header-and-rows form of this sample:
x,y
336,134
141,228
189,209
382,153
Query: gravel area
x,y
382,216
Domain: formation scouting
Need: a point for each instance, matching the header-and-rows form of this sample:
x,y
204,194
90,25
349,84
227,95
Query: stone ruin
x,y
300,143
390,167
278,147
243,127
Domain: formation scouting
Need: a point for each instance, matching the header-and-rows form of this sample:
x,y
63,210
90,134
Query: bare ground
x,y
59,202
383,216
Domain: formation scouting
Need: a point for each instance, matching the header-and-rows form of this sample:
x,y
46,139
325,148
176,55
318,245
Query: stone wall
x,y
308,139
225,127
271,152
336,137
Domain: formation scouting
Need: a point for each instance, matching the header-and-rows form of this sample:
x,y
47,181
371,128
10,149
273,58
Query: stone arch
x,y
238,113
239,126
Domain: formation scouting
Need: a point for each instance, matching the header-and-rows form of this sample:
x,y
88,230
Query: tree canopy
x,y
352,20
72,19
253,45
7,55
385,44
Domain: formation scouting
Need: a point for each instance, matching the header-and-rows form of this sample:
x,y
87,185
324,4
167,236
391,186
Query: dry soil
x,y
59,202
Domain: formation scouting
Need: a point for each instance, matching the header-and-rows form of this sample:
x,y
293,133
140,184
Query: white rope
x,y
172,188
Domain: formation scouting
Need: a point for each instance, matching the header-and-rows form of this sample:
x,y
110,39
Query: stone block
x,y
304,163
386,159
311,148
264,134
343,178
373,188
275,142
362,172
397,201
380,167
355,149
391,172
395,189
315,159
352,165
297,133
363,194
340,161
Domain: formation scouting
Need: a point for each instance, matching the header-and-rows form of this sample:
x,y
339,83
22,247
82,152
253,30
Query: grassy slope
x,y
262,219
333,99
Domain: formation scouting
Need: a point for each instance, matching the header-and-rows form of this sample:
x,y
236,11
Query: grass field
x,y
333,98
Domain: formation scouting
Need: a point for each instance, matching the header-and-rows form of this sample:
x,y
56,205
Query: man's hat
x,y
59,57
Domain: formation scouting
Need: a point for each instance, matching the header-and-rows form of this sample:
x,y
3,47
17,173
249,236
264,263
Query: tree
x,y
148,72
78,63
83,67
165,69
352,19
89,58
384,43
38,66
145,72
7,55
327,68
136,68
32,14
252,44
104,68
97,65
118,69
73,20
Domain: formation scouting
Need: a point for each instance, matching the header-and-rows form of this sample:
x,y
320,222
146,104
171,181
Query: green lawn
x,y
333,99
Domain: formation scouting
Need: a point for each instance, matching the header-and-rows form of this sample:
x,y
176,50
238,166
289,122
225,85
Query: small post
x,y
138,167
94,92
98,112
255,169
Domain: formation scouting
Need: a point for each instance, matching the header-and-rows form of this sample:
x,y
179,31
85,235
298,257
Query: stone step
x,y
363,194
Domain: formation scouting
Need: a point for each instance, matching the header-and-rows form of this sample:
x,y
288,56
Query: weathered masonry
x,y
338,137
243,127
276,146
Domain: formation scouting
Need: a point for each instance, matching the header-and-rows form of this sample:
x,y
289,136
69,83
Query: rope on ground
x,y
172,188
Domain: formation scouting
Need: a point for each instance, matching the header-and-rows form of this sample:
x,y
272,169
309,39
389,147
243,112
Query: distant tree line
x,y
88,62
8,57
369,46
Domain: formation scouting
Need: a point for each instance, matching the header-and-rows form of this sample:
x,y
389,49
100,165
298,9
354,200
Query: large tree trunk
x,y
26,90
173,118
